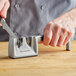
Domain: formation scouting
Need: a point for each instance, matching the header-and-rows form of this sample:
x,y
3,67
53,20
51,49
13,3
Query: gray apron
x,y
29,17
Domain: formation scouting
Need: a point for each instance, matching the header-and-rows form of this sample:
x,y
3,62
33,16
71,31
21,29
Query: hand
x,y
4,5
59,31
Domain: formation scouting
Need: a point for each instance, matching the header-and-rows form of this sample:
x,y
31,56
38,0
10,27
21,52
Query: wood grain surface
x,y
51,61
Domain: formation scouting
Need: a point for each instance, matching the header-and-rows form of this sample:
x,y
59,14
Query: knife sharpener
x,y
21,46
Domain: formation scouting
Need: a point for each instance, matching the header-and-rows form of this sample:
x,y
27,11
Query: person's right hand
x,y
4,6
59,31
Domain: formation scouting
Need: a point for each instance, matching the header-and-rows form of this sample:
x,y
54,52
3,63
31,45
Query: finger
x,y
67,38
47,38
61,40
47,34
62,37
1,4
55,37
5,9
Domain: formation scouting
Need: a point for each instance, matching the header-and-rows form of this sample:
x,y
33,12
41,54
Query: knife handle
x,y
68,45
42,38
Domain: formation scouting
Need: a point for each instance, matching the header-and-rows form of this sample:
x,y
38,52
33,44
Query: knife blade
x,y
7,28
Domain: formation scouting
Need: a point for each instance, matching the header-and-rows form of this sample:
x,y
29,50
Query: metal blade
x,y
7,28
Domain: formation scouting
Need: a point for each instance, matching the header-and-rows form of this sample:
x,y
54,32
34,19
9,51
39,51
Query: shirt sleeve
x,y
74,3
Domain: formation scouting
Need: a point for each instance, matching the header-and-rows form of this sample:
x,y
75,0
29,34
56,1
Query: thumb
x,y
5,9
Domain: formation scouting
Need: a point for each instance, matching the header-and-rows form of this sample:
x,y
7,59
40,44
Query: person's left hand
x,y
59,31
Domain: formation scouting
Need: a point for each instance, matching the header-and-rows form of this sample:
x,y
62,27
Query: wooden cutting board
x,y
51,61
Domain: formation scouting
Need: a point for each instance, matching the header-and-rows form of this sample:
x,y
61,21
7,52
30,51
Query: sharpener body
x,y
24,50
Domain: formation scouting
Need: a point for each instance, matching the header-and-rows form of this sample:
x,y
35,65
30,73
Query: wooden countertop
x,y
50,62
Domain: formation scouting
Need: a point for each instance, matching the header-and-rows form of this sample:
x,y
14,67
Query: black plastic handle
x,y
42,38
